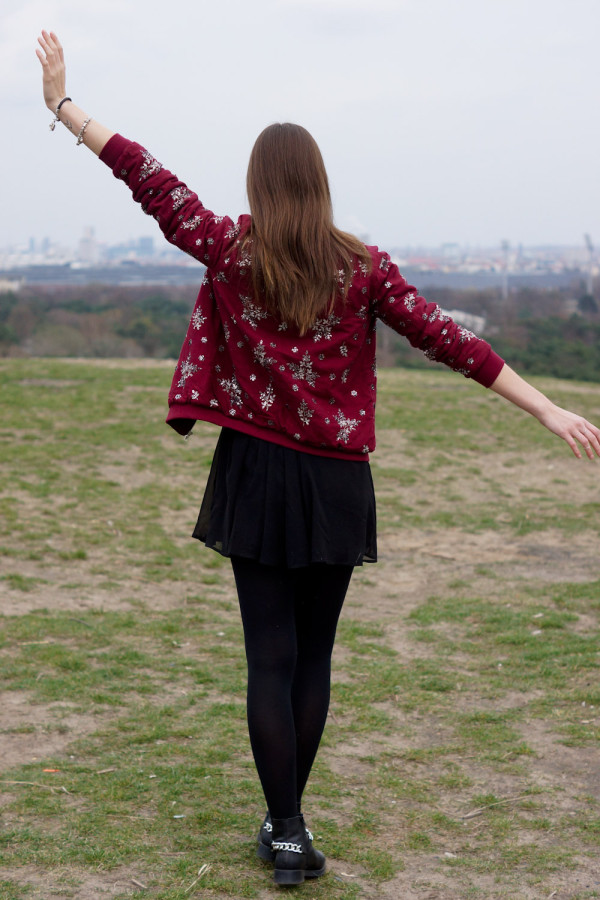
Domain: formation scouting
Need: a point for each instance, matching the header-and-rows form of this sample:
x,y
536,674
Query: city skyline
x,y
438,122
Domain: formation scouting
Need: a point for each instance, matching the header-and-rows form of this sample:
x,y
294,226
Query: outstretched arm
x,y
567,425
51,56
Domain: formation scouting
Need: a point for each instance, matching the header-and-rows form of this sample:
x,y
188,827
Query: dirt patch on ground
x,y
70,882
30,731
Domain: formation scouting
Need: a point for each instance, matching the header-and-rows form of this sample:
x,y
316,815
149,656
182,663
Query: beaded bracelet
x,y
56,117
81,133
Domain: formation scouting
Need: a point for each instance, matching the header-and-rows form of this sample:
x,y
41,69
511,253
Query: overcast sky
x,y
439,120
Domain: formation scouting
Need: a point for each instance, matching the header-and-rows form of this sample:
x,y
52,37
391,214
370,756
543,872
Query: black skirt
x,y
285,507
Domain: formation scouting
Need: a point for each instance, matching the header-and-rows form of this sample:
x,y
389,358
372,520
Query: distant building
x,y
87,251
469,320
145,246
9,287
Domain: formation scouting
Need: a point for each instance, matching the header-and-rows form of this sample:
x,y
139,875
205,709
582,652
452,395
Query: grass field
x,y
461,759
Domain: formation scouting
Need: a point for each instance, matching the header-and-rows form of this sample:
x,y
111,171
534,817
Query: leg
x,y
320,593
266,604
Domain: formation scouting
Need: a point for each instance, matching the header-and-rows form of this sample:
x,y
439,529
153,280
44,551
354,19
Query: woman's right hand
x,y
52,59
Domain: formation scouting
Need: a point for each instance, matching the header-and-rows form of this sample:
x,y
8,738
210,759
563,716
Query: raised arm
x,y
567,425
85,129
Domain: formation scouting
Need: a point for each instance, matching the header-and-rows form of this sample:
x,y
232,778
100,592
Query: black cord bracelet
x,y
56,118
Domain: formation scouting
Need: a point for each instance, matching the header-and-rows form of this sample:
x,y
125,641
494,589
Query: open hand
x,y
53,68
573,429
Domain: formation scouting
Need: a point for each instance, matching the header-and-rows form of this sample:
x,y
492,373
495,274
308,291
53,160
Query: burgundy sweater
x,y
243,368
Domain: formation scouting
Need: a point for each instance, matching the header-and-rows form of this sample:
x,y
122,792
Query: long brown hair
x,y
301,262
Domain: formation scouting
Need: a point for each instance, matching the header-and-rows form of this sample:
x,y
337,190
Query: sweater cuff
x,y
113,149
490,370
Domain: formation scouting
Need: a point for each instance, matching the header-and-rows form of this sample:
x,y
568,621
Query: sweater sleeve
x,y
179,213
426,327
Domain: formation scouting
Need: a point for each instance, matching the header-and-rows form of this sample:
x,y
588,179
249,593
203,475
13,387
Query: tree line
x,y
540,332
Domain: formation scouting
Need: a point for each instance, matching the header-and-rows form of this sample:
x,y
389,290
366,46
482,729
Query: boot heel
x,y
288,876
295,856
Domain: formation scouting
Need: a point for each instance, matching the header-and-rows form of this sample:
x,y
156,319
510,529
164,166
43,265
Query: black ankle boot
x,y
295,856
264,849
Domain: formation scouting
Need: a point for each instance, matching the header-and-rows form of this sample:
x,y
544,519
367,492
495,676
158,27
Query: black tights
x,y
290,618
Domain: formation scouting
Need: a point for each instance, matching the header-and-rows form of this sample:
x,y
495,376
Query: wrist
x,y
56,102
545,409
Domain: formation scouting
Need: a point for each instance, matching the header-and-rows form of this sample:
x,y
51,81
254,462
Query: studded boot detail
x,y
265,840
295,856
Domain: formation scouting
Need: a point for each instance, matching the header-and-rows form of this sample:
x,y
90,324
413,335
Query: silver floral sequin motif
x,y
192,223
179,195
150,166
322,327
305,413
347,426
436,314
465,335
198,319
260,355
233,389
303,371
187,369
252,312
267,397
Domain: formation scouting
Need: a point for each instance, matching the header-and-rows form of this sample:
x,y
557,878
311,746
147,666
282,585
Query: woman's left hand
x,y
573,429
52,58
570,427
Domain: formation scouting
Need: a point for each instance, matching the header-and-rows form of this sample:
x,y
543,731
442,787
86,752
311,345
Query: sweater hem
x,y
183,416
489,371
112,150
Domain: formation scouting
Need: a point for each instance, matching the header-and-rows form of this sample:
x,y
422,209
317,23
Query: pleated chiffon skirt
x,y
284,507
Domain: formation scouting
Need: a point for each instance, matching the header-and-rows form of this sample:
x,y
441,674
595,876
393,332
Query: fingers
x,y
571,442
46,56
592,436
50,44
58,46
589,438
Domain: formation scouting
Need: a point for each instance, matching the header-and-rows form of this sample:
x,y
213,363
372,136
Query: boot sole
x,y
296,876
